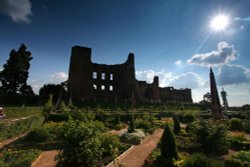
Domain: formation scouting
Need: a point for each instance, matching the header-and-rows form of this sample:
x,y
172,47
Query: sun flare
x,y
220,22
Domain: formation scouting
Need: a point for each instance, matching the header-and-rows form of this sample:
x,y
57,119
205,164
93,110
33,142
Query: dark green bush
x,y
236,124
246,126
177,127
168,144
37,135
239,144
200,160
110,144
211,136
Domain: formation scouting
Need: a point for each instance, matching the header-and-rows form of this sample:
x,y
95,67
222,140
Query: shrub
x,y
246,126
236,124
177,127
132,138
110,144
240,159
212,137
199,160
37,135
81,140
20,158
131,127
168,144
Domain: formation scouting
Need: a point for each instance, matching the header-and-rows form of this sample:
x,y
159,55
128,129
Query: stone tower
x,y
215,101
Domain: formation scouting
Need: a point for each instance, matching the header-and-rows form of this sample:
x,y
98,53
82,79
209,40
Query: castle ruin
x,y
115,83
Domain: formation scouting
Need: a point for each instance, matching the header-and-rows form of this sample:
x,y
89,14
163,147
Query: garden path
x,y
139,153
8,141
46,159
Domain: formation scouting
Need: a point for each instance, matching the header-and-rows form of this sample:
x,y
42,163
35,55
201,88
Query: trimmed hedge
x,y
15,112
14,128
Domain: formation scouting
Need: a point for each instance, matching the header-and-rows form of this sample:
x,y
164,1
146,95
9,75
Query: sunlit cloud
x,y
224,54
58,77
18,10
178,63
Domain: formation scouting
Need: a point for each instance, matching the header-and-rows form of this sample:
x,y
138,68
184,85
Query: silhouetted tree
x,y
16,72
177,127
52,89
168,144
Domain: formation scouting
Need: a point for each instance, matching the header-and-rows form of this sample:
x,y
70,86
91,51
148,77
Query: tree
x,y
52,89
177,127
168,144
16,72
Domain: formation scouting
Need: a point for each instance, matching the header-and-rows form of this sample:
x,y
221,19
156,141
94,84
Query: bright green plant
x,y
82,141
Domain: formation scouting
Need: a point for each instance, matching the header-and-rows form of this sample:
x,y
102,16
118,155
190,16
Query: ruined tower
x,y
215,101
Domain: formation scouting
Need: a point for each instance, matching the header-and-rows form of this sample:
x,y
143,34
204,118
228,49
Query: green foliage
x,y
37,135
81,140
168,144
15,112
20,158
240,159
199,160
82,114
212,137
15,73
236,124
246,126
19,126
239,144
143,124
177,127
110,144
131,127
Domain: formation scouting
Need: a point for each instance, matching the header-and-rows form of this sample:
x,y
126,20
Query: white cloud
x,y
18,10
178,63
55,78
185,80
58,77
233,74
224,54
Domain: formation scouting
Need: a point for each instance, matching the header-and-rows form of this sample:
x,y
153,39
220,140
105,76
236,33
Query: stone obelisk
x,y
215,100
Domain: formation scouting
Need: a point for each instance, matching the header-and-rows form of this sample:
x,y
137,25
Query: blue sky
x,y
170,38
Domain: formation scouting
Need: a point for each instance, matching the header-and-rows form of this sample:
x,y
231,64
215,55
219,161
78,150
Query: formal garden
x,y
97,135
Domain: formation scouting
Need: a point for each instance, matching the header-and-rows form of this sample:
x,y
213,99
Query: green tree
x,y
81,144
131,127
177,127
16,72
168,144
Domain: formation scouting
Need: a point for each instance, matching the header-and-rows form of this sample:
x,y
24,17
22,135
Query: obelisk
x,y
215,101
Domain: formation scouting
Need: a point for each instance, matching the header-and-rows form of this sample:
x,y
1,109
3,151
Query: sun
x,y
220,22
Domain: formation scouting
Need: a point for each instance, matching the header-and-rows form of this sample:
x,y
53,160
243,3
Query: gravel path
x,y
8,141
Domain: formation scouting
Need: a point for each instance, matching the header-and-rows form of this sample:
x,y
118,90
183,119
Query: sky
x,y
172,39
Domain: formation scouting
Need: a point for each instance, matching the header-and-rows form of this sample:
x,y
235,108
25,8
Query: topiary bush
x,y
236,124
168,144
177,127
